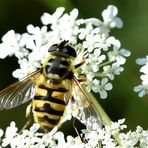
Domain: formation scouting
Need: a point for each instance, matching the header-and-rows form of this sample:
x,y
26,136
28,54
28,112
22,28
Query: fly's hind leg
x,y
77,131
28,116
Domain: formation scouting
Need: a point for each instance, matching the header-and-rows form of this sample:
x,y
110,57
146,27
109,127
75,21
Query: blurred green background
x,y
122,102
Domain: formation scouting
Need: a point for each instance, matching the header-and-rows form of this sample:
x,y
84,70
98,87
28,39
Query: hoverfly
x,y
50,89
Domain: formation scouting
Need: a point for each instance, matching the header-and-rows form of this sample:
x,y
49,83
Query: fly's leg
x,y
77,132
28,116
81,78
81,63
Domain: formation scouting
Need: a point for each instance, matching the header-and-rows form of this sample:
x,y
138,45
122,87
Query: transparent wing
x,y
19,92
84,108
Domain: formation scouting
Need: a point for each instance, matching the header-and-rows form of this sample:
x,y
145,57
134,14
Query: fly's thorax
x,y
58,67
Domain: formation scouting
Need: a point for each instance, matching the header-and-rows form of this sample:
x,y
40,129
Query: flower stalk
x,y
105,118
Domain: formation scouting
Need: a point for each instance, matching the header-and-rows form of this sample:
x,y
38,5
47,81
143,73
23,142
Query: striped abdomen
x,y
48,105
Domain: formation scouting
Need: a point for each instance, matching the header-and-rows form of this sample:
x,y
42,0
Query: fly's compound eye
x,y
53,48
62,49
69,51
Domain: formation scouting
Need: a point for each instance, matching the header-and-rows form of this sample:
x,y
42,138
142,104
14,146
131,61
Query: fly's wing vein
x,y
84,108
19,92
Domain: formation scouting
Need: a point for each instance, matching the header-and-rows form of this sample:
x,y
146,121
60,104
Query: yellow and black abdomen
x,y
48,104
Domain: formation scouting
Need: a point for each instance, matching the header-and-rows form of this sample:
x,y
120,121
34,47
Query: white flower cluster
x,y
101,52
137,138
94,137
143,88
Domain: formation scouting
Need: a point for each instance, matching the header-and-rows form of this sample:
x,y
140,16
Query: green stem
x,y
106,119
106,63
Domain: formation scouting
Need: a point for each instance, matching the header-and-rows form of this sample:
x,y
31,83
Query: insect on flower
x,y
50,89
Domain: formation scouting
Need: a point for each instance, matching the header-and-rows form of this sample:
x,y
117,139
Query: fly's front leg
x,y
81,63
81,78
28,116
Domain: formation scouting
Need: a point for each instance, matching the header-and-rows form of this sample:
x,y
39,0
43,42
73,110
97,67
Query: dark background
x,y
122,102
